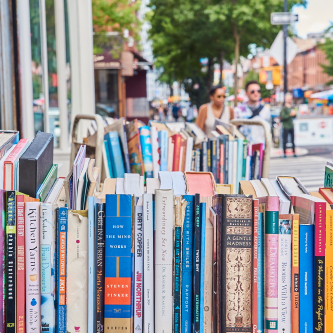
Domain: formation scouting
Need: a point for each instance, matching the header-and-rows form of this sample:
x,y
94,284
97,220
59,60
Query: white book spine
x,y
170,155
155,152
284,282
235,165
148,295
189,153
230,163
247,168
138,286
33,294
164,225
48,265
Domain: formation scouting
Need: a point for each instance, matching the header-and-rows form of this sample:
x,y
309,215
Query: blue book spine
x,y
163,148
118,303
260,288
126,152
306,273
240,159
62,220
202,264
146,150
187,263
115,153
106,147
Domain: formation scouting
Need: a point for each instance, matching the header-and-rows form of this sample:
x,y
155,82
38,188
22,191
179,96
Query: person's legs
x,y
285,139
292,133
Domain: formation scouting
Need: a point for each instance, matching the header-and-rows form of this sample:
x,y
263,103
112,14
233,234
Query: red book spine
x,y
20,288
222,163
176,139
255,264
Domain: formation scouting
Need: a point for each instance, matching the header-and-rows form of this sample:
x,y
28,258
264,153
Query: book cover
x,y
295,275
146,149
202,208
214,157
61,272
107,160
196,265
148,294
187,265
163,149
255,263
139,275
237,243
48,266
35,163
135,155
258,148
306,278
204,158
190,142
8,139
47,184
100,264
10,302
260,274
284,274
118,305
78,164
115,153
124,147
176,140
163,255
2,260
328,179
329,273
77,272
32,241
92,263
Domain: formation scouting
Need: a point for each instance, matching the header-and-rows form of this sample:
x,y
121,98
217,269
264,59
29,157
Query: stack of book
x,y
181,254
137,148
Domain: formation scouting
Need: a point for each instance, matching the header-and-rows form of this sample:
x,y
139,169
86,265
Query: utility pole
x,y
285,35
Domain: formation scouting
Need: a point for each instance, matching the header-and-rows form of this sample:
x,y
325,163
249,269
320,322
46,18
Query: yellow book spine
x,y
329,273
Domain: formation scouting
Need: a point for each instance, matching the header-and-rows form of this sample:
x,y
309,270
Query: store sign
x,y
107,65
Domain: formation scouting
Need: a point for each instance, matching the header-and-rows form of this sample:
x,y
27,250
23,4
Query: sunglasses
x,y
253,91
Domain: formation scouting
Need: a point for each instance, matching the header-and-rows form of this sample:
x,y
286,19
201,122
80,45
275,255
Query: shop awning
x,y
326,95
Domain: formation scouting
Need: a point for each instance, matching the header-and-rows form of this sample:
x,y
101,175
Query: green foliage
x,y
251,75
327,47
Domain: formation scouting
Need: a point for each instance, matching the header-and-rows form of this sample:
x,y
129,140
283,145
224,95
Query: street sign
x,y
283,18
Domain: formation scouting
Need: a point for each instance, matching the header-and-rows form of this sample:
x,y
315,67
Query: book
x,y
329,273
61,272
255,264
284,274
146,149
230,164
139,270
295,290
35,163
118,301
202,305
176,140
78,164
9,151
81,185
77,272
148,294
170,155
107,160
214,157
155,152
163,255
115,153
226,147
204,157
306,278
237,218
7,140
328,179
190,142
163,149
2,260
327,193
260,274
100,264
187,263
198,160
240,160
48,266
32,241
47,184
222,161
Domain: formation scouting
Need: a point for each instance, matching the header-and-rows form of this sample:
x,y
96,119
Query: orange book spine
x,y
255,263
176,155
295,275
329,273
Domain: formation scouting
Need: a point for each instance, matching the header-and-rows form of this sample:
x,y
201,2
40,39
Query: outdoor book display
x,y
173,249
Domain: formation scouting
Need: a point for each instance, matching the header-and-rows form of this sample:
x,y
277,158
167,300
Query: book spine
x,y
164,215
189,146
155,152
170,154
222,164
271,268
20,309
2,261
100,265
284,276
204,158
260,275
319,267
33,295
48,266
306,274
230,163
202,266
187,263
139,275
146,147
118,302
116,154
126,152
193,160
214,158
134,148
329,273
295,276
198,160
62,217
148,295
163,148
227,146
240,154
255,262
196,265
11,263
209,155
176,154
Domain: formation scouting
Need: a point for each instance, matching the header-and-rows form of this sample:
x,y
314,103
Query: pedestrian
x,y
287,116
161,112
190,113
253,109
213,110
175,111
166,112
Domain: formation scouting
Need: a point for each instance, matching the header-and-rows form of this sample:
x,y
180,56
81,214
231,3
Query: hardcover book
x,y
146,149
255,263
2,260
118,305
202,209
7,140
163,149
260,275
329,273
176,140
115,153
237,242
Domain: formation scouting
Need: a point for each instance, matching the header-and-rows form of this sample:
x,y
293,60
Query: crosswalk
x,y
310,170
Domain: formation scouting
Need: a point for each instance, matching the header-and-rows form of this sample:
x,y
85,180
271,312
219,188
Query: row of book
x,y
138,148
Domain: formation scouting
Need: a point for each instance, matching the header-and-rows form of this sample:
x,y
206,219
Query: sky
x,y
315,17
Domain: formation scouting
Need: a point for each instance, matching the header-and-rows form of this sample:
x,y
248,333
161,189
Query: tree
x,y
327,47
